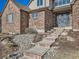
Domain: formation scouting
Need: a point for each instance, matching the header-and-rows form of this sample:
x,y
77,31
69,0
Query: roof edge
x,y
0,14
4,7
29,2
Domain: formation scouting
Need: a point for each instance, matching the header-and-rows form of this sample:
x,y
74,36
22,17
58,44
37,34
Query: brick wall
x,y
20,19
49,20
14,27
75,11
37,23
43,22
24,21
33,56
0,24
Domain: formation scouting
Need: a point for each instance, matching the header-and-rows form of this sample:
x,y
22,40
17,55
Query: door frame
x,y
56,25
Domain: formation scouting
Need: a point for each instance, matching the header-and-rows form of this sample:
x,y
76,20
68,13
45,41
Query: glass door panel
x,y
63,20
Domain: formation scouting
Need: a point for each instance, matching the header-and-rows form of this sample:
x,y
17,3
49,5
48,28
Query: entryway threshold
x,y
62,27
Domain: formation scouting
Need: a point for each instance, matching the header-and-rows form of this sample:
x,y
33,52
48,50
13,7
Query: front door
x,y
63,20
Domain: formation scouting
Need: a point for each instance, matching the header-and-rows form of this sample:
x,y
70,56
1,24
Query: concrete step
x,y
54,35
51,38
46,43
36,52
25,57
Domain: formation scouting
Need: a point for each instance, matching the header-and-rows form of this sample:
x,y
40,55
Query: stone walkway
x,y
56,44
67,47
45,44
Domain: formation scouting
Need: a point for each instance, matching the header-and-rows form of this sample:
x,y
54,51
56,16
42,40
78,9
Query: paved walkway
x,y
46,43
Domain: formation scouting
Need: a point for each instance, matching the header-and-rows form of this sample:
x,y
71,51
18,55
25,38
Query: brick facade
x,y
19,19
75,12
43,22
38,23
24,21
49,20
0,24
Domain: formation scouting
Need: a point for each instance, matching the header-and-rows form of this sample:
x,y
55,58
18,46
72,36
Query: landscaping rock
x,y
24,41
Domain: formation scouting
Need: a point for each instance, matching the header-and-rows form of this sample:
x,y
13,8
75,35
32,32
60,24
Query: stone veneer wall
x,y
75,11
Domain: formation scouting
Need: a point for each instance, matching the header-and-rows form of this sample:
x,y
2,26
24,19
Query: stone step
x,y
70,39
49,32
51,38
57,32
46,43
25,57
52,30
36,52
54,35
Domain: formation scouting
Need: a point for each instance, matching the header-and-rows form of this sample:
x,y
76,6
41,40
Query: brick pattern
x,y
49,20
33,56
75,12
37,23
43,22
24,21
0,24
17,26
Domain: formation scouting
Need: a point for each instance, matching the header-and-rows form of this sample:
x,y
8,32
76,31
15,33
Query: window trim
x,y
60,5
67,14
40,3
34,15
8,19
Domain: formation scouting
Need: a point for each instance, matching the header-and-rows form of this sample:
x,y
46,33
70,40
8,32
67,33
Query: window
x,y
10,18
61,2
34,15
39,2
63,20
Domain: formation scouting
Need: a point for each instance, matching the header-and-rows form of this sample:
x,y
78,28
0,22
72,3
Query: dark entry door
x,y
63,20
